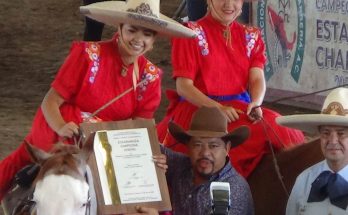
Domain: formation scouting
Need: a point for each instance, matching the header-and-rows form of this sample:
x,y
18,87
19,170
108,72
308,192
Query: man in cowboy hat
x,y
323,187
189,177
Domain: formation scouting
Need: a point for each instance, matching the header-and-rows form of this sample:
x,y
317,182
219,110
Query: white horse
x,y
64,184
60,187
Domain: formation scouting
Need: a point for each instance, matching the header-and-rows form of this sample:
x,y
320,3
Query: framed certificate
x,y
123,171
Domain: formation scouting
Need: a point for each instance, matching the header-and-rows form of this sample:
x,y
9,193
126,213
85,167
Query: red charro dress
x,y
89,78
222,72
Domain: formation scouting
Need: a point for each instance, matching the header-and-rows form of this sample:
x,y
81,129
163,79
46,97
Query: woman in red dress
x,y
96,72
223,67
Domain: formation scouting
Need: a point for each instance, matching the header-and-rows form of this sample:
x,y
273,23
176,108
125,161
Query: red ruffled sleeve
x,y
149,93
257,56
185,58
71,74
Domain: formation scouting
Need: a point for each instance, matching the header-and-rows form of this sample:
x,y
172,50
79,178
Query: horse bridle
x,y
28,204
25,206
88,202
264,123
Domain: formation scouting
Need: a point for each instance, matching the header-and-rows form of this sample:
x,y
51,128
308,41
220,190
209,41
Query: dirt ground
x,y
35,38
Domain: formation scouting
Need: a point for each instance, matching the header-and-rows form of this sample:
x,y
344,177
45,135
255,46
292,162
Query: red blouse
x,y
214,67
220,70
91,76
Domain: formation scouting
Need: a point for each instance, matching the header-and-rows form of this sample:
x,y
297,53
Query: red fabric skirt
x,y
41,136
246,156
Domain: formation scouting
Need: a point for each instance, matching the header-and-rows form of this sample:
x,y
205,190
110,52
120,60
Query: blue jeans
x,y
93,29
196,9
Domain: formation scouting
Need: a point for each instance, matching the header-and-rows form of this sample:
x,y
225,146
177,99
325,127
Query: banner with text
x,y
307,45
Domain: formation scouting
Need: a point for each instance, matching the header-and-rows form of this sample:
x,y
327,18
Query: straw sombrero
x,y
209,122
334,112
143,13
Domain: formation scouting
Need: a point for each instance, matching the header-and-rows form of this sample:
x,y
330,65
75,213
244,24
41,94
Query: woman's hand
x,y
231,113
257,89
161,161
68,130
145,210
254,111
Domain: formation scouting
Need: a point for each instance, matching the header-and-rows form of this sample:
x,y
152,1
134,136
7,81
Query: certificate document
x,y
124,173
126,170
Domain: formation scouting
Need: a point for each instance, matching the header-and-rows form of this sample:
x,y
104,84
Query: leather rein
x,y
266,125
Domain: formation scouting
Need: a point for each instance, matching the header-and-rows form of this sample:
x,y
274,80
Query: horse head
x,y
60,186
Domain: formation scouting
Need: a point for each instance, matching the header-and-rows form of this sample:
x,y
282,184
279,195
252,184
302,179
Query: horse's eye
x,y
87,203
31,203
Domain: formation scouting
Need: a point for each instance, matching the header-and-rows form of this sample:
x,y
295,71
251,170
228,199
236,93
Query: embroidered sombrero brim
x,y
114,13
333,113
310,122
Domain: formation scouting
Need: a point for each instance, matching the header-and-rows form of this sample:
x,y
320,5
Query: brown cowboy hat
x,y
209,122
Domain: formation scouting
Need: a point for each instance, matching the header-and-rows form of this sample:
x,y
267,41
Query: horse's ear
x,y
36,154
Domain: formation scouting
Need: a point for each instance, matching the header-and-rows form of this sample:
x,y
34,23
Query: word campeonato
x,y
332,6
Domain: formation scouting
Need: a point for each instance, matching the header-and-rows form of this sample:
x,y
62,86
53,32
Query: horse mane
x,y
305,149
265,184
62,162
63,159
64,148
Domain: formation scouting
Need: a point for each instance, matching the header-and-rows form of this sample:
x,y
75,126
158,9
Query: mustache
x,y
205,159
333,146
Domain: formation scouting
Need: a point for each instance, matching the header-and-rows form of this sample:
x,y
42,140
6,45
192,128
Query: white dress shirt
x,y
297,203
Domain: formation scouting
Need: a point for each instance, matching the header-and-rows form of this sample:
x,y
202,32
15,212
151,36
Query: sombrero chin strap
x,y
227,31
135,74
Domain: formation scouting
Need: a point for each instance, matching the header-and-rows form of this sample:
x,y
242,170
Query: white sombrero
x,y
334,112
143,13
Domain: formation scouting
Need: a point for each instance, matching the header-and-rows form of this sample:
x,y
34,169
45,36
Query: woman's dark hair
x,y
148,29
